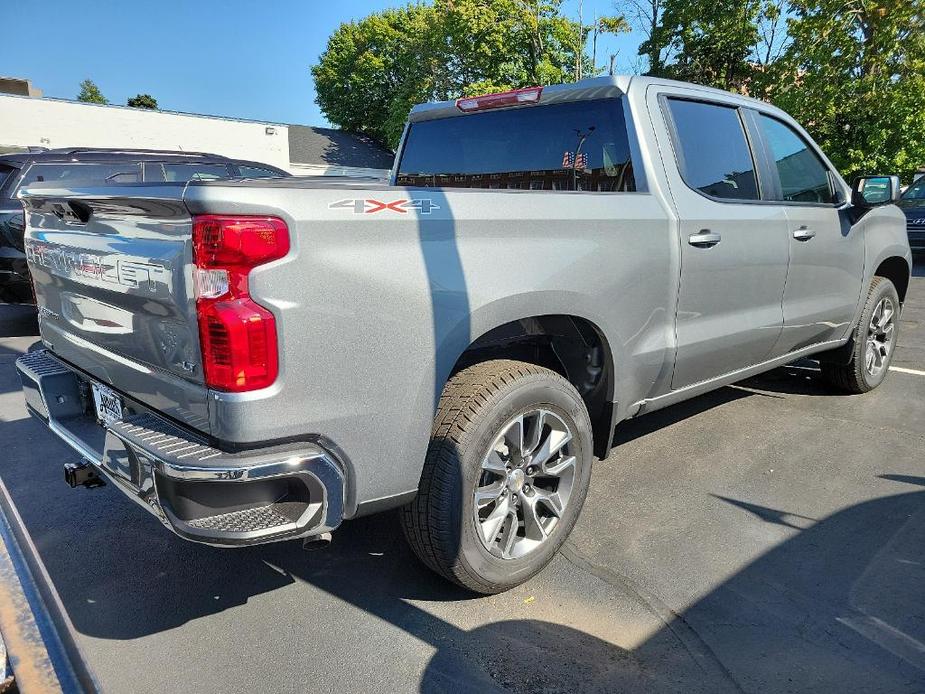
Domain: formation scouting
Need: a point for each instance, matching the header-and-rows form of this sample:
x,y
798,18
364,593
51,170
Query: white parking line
x,y
902,370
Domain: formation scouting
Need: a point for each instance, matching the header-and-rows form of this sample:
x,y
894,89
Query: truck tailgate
x,y
112,270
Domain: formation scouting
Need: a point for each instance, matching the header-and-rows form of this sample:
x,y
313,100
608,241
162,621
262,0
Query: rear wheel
x,y
873,344
506,474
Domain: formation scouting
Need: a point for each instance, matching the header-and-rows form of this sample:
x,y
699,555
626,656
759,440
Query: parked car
x,y
84,166
257,360
912,204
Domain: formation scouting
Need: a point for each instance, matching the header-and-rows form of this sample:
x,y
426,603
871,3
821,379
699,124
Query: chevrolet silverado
x,y
258,360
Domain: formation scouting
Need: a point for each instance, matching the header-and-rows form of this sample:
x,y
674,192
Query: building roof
x,y
309,145
19,86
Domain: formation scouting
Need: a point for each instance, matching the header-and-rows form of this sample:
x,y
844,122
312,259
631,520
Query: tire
x,y
868,342
482,412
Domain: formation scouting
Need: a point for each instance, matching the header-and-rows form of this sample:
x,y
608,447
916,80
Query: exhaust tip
x,y
316,542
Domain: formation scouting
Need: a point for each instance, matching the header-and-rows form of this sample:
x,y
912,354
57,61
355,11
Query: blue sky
x,y
234,58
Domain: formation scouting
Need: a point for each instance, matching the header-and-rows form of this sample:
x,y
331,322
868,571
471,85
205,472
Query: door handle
x,y
704,239
803,234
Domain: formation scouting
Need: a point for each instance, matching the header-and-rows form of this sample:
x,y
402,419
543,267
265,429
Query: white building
x,y
28,121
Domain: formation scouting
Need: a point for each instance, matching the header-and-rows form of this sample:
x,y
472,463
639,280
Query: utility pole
x,y
581,44
594,46
613,57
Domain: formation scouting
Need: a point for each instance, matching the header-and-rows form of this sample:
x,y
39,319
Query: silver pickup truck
x,y
259,360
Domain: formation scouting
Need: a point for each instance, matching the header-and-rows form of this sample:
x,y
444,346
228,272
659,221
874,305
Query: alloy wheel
x,y
880,334
525,485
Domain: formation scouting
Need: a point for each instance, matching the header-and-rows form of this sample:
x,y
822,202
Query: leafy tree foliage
x,y
711,43
91,94
373,70
606,25
855,77
645,16
142,101
851,71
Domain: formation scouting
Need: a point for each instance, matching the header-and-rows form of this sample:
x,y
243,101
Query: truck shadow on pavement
x,y
838,606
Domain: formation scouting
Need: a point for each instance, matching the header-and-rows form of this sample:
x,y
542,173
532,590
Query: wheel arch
x,y
572,345
896,269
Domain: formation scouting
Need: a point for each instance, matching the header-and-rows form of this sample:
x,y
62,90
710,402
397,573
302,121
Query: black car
x,y
86,166
912,204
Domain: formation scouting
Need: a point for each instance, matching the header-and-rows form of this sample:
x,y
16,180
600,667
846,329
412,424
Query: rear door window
x,y
580,145
712,149
803,176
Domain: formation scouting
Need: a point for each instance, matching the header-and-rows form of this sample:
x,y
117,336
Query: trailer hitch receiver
x,y
82,474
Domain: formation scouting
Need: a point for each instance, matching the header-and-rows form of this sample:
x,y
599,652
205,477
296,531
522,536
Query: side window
x,y
196,172
916,191
713,151
803,176
154,172
80,173
256,172
5,172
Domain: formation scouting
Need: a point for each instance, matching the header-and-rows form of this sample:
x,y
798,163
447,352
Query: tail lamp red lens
x,y
237,335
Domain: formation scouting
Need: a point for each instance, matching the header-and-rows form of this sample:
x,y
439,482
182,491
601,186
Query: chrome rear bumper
x,y
200,492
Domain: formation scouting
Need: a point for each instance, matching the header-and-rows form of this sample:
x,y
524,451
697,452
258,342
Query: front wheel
x,y
874,341
505,477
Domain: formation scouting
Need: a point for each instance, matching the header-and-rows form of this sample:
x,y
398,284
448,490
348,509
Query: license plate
x,y
108,404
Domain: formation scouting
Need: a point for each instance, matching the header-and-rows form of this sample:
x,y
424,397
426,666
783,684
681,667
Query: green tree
x,y
142,101
373,70
606,25
645,16
91,94
854,76
716,44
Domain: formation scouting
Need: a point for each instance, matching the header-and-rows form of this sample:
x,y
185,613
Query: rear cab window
x,y
579,145
713,150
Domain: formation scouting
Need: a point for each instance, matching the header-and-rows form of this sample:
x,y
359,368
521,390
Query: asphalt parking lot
x,y
769,536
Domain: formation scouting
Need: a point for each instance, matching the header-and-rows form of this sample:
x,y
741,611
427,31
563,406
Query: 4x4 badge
x,y
371,206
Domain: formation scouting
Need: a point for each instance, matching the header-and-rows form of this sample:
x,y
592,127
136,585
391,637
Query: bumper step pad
x,y
248,520
168,442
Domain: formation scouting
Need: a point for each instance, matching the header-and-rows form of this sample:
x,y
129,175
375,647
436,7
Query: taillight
x,y
530,95
237,335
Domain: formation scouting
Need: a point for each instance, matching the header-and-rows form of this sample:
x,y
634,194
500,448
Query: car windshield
x,y
916,191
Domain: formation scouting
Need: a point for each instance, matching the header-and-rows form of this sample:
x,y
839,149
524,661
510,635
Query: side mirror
x,y
873,191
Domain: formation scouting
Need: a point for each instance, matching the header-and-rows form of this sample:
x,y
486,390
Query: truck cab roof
x,y
604,87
